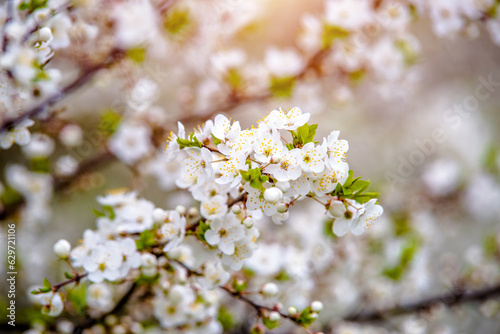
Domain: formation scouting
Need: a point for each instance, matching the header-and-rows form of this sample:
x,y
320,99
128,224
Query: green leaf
x,y
256,184
305,317
312,133
32,5
409,54
303,133
41,165
349,180
226,318
202,228
46,283
490,246
68,275
109,210
177,21
9,196
98,213
77,297
234,79
239,286
401,223
270,324
35,292
109,121
245,175
328,229
407,255
264,178
282,87
137,54
191,142
359,184
282,276
357,76
290,146
331,33
216,140
146,239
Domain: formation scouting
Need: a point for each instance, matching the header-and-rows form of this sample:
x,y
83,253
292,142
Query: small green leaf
x,y
270,324
263,178
109,210
35,292
109,122
234,79
282,87
349,180
146,239
245,175
177,21
137,54
359,184
331,33
216,140
226,318
68,275
77,297
256,184
46,283
239,286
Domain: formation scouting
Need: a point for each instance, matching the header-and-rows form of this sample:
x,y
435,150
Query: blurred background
x,y
414,86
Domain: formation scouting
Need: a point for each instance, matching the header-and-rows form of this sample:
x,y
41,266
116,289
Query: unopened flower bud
x,y
282,207
283,185
337,209
181,209
236,209
257,329
313,316
276,159
44,34
149,271
248,222
316,306
71,135
62,248
148,260
159,215
269,290
193,212
292,310
273,195
274,316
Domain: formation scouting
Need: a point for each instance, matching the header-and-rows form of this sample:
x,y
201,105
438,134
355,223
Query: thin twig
x,y
448,299
87,74
76,279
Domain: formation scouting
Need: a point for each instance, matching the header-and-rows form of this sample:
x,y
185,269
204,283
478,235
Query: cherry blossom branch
x,y
261,308
87,74
452,298
118,307
76,279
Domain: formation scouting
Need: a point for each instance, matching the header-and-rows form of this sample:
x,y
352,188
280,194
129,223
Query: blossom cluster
x,y
222,162
260,174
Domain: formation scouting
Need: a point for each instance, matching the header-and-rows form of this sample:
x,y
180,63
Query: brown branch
x,y
104,158
261,308
87,74
75,279
449,299
118,307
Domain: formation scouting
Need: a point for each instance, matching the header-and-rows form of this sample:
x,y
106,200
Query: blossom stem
x,y
76,279
261,308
